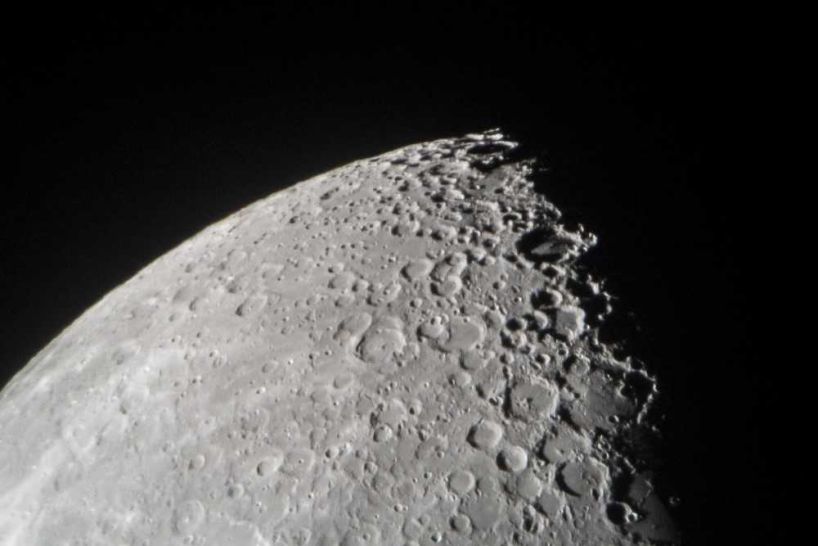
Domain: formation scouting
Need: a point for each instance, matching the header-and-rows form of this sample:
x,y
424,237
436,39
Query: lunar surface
x,y
402,351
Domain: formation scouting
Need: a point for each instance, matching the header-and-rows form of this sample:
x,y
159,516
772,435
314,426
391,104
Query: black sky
x,y
129,131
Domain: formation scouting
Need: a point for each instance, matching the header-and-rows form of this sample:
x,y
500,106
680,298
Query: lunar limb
x,y
403,350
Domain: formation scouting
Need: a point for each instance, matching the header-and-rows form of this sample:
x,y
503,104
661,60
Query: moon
x,y
403,350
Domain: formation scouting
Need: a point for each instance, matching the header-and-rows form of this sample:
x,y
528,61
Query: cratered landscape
x,y
403,350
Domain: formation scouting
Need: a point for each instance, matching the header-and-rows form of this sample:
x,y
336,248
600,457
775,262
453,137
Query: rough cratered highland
x,y
400,351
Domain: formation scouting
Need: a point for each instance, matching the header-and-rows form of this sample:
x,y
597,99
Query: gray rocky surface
x,y
399,351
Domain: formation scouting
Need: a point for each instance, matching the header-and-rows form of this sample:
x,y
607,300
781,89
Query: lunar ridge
x,y
402,351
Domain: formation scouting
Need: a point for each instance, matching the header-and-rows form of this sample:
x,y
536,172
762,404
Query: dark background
x,y
129,131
